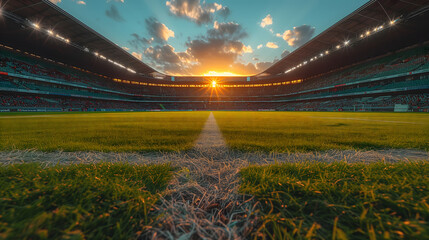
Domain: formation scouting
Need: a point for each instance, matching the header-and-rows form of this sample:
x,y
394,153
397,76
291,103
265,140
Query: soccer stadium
x,y
190,119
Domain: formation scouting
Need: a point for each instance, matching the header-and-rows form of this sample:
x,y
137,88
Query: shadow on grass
x,y
84,201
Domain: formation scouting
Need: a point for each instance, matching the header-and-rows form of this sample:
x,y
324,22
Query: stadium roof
x,y
372,14
71,28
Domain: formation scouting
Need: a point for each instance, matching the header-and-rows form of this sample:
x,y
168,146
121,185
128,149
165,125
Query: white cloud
x,y
55,1
196,11
260,46
125,48
139,56
298,36
271,45
268,20
158,30
247,49
81,2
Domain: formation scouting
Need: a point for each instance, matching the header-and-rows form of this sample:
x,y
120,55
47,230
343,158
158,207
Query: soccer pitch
x,y
244,131
321,131
147,174
107,132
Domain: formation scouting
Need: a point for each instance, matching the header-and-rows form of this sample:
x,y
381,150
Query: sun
x,y
213,83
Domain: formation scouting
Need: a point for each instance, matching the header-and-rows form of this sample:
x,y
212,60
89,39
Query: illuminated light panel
x,y
35,25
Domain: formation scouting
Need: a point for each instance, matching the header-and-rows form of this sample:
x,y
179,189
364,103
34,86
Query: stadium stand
x,y
377,79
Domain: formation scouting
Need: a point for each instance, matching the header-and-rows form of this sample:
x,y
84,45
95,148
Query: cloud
x,y
114,14
218,50
271,45
285,53
158,30
268,20
247,49
261,66
298,36
125,48
138,42
55,1
170,61
259,46
139,56
81,2
228,30
224,12
195,11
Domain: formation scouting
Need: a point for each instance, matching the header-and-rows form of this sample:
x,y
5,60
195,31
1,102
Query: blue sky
x,y
193,37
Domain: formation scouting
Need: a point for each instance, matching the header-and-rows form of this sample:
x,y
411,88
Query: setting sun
x,y
213,83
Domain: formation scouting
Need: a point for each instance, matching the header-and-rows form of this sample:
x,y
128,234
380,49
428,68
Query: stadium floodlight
x,y
368,33
35,25
338,46
326,52
346,42
50,32
392,22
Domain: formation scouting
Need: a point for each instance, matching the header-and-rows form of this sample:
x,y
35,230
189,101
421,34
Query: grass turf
x,y
316,131
340,200
109,132
97,201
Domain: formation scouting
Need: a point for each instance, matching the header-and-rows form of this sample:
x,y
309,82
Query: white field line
x,y
368,120
210,136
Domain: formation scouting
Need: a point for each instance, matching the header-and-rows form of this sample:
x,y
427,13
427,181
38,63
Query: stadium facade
x,y
375,59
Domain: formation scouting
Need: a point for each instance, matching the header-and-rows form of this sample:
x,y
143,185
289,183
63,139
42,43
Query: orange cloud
x,y
268,20
271,45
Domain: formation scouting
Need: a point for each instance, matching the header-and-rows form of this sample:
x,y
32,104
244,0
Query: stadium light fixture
x,y
326,52
346,42
35,25
50,32
338,46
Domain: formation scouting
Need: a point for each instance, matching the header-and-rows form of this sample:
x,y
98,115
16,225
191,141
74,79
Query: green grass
x,y
340,200
316,131
109,132
98,201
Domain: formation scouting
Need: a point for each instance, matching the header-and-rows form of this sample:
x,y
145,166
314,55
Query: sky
x,y
219,37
